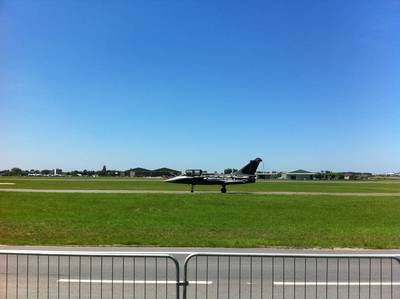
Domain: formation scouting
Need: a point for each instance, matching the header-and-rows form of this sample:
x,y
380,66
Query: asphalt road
x,y
368,194
234,276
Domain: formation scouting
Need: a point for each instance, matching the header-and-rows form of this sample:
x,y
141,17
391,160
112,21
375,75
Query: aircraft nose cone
x,y
171,180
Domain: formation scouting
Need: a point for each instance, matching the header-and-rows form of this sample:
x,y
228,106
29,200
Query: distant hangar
x,y
299,175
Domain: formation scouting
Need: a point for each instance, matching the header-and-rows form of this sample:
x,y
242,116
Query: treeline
x,y
51,172
349,175
322,175
132,172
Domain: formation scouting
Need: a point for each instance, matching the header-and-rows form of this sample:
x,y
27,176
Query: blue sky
x,y
209,84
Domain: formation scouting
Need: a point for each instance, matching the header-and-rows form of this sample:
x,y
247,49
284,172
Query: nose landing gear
x,y
223,189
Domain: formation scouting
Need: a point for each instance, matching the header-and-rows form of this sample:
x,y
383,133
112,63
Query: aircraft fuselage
x,y
196,177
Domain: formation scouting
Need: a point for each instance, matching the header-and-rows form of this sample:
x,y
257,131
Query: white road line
x,y
334,283
115,281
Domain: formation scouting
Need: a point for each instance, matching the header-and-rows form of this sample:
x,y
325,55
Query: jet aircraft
x,y
198,177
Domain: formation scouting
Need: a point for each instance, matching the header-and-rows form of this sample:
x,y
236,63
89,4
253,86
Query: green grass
x,y
151,184
216,220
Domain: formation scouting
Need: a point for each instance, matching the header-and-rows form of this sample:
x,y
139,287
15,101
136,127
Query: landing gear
x,y
192,189
223,189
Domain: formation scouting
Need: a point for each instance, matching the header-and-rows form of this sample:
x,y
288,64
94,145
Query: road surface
x,y
368,194
208,276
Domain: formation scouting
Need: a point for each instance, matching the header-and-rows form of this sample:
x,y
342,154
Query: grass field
x,y
229,220
151,184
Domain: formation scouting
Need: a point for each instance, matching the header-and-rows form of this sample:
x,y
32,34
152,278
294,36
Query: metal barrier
x,y
291,276
77,274
55,274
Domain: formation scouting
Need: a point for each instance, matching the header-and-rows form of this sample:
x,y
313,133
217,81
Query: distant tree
x,y
74,173
5,172
103,171
46,172
16,171
337,175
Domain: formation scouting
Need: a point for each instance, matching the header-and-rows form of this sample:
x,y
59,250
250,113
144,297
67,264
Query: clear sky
x,y
208,84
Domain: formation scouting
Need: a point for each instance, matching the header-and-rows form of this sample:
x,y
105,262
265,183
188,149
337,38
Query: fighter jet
x,y
198,177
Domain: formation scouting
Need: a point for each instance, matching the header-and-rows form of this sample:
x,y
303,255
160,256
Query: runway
x,y
226,276
367,194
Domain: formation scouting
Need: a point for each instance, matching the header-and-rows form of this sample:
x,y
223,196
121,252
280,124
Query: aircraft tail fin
x,y
250,168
